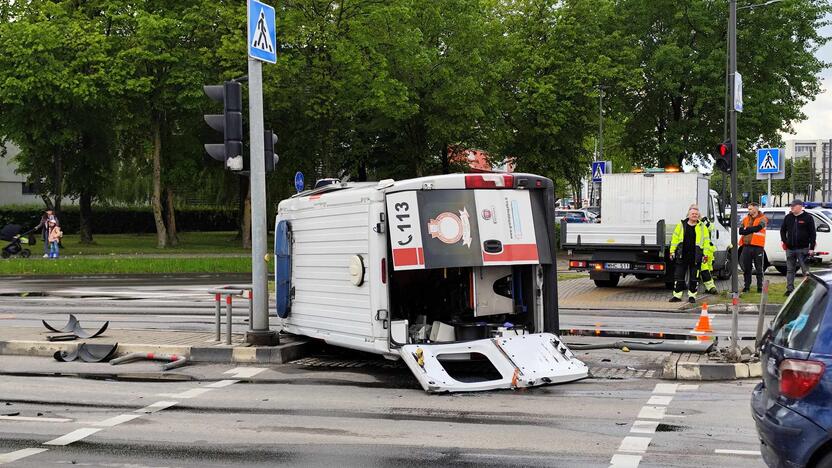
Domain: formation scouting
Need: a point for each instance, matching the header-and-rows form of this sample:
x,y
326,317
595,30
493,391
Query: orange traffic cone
x,y
704,323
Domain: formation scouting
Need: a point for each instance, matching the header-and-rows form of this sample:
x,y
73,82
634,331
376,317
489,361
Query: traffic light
x,y
268,150
230,123
724,156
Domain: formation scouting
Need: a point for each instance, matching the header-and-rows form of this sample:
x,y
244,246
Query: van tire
x,y
609,283
780,269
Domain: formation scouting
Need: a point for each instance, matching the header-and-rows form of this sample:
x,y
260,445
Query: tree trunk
x,y
247,219
156,201
173,235
445,157
58,184
85,208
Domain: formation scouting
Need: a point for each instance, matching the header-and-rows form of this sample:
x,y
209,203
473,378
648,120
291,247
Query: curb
x,y
692,367
745,309
290,350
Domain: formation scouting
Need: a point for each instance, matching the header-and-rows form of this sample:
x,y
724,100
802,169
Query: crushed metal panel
x,y
521,361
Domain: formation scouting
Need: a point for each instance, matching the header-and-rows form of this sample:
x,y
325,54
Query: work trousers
x,y
686,268
793,258
752,255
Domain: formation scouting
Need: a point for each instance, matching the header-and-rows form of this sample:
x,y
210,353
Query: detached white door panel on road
x,y
520,361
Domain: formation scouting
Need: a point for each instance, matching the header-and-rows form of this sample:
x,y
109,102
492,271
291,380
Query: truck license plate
x,y
616,266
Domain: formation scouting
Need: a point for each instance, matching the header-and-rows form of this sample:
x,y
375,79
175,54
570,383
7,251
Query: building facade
x,y
819,152
14,189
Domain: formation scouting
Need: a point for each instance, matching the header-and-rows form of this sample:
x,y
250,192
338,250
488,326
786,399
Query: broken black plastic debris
x,y
88,353
72,330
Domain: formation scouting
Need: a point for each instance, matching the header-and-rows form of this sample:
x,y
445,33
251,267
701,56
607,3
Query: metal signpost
x,y
732,87
262,47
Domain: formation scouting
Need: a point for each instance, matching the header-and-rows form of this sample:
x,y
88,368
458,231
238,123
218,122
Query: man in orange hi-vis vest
x,y
753,243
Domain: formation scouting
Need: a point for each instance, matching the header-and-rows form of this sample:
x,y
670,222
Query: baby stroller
x,y
12,234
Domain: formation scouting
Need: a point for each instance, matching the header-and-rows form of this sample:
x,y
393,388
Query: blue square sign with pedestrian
x,y
598,170
262,35
768,161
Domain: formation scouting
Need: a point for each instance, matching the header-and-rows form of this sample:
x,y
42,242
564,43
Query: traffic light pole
x,y
732,111
259,332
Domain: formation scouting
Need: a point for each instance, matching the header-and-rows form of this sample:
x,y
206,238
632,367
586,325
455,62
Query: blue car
x,y
792,407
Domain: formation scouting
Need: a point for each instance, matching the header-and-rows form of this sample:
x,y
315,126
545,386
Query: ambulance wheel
x,y
609,283
5,254
25,253
780,269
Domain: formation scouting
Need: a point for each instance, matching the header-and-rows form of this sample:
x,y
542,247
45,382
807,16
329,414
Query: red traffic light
x,y
723,159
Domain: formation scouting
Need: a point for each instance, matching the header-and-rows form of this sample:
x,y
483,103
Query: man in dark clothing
x,y
797,236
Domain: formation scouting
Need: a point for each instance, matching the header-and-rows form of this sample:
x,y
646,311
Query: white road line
x,y
73,436
625,461
632,444
652,412
753,453
245,372
688,388
116,420
192,393
17,455
662,400
644,427
666,388
222,383
34,419
158,406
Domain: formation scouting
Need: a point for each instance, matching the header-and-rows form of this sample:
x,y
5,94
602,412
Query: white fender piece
x,y
521,361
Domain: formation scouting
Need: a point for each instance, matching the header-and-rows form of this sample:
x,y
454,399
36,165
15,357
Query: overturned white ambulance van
x,y
455,274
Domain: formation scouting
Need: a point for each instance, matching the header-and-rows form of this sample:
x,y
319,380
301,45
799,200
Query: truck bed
x,y
600,236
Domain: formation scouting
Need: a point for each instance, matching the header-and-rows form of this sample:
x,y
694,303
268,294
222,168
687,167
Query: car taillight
x,y
798,377
655,267
489,181
577,264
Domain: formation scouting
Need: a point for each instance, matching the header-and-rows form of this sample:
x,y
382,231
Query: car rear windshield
x,y
796,326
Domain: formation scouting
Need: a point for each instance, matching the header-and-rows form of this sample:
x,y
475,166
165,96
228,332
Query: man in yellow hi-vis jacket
x,y
687,250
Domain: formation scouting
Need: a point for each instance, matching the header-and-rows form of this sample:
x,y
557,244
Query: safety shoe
x,y
713,291
745,289
675,299
787,293
692,300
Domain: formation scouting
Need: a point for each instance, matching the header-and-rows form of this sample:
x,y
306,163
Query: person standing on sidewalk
x,y
706,274
797,237
752,245
55,235
687,250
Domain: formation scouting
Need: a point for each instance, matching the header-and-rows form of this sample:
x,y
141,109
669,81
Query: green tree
x,y
678,111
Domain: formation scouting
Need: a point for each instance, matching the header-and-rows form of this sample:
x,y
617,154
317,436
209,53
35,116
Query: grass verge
x,y
122,266
571,276
776,293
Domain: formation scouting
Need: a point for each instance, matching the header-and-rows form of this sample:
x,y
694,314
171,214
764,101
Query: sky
x,y
818,123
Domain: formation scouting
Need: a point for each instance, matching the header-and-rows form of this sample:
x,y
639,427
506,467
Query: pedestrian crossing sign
x,y
598,169
768,161
262,35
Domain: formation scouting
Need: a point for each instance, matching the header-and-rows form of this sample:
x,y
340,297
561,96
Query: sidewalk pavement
x,y
197,346
635,294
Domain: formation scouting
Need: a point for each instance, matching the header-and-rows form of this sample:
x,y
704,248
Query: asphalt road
x,y
583,424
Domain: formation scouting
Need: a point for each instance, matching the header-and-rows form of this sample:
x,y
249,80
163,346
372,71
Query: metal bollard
x,y
250,308
217,326
228,319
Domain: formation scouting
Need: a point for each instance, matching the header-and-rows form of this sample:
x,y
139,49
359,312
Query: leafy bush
x,y
117,220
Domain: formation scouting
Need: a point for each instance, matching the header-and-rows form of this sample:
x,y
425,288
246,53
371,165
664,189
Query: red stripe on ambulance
x,y
408,257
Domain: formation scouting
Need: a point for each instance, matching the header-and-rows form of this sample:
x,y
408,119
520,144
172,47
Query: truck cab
x,y
436,271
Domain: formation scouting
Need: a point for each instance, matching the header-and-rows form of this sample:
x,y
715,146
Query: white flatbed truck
x,y
639,212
